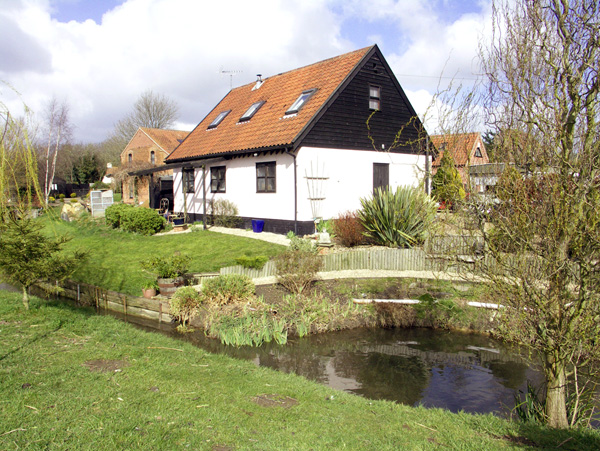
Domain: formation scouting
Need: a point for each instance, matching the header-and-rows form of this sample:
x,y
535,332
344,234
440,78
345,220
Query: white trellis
x,y
316,181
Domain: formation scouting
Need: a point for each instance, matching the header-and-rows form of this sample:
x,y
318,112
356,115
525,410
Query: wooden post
x,y
159,312
125,305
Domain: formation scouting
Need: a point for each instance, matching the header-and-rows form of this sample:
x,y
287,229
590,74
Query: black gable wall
x,y
344,124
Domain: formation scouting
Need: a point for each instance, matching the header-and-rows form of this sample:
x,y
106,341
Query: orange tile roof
x,y
461,146
269,127
166,139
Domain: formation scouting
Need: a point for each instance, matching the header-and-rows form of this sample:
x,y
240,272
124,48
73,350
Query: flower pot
x,y
149,293
169,286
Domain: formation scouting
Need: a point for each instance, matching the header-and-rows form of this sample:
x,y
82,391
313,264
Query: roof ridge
x,y
343,55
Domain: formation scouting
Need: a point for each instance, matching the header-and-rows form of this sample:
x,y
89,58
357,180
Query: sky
x,y
100,55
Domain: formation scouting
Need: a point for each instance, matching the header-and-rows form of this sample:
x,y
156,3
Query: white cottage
x,y
304,144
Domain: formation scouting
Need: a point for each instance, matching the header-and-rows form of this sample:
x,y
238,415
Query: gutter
x,y
295,189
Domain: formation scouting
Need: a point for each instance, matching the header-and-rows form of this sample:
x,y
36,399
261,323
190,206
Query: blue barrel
x,y
257,225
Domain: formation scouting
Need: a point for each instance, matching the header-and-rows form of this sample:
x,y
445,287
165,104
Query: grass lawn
x,y
71,379
114,256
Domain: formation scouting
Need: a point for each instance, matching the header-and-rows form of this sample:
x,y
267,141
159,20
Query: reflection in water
x,y
450,370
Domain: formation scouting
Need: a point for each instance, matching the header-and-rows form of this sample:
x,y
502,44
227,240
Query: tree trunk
x,y
25,298
556,408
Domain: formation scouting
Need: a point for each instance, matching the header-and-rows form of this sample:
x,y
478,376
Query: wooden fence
x,y
86,294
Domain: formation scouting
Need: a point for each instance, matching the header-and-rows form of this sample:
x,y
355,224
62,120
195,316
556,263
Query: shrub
x,y
114,213
51,199
184,306
300,244
73,195
142,220
252,262
167,267
228,289
73,201
402,218
61,196
100,185
446,184
348,229
297,269
224,213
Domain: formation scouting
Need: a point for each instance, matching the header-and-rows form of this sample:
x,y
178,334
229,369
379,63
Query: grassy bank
x,y
73,380
114,256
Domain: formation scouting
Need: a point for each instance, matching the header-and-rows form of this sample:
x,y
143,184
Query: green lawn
x,y
114,256
71,379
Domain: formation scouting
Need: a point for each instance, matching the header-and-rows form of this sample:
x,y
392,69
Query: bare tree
x,y
150,110
543,246
58,131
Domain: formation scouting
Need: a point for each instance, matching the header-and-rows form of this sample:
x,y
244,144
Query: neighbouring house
x,y
146,180
467,150
302,145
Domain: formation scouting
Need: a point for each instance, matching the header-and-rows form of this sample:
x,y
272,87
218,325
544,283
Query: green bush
x,y
297,269
257,262
61,196
446,184
224,213
114,213
73,195
51,199
228,289
167,267
100,185
144,221
300,244
403,218
184,306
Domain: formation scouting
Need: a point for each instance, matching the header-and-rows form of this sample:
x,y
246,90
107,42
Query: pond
x,y
450,370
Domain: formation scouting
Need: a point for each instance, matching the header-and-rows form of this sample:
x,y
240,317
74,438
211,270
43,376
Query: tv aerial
x,y
231,73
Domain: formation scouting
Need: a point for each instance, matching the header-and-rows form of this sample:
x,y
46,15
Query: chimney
x,y
259,82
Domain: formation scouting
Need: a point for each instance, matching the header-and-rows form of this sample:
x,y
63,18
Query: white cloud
x,y
176,48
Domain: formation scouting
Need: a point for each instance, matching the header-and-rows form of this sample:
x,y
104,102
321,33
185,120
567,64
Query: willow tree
x,y
543,262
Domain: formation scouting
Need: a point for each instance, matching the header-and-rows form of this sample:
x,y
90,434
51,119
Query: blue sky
x,y
100,55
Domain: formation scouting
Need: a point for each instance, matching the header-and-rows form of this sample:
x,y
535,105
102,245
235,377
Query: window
x,y
188,180
478,152
131,190
300,101
251,111
374,97
217,179
130,157
265,177
218,119
152,157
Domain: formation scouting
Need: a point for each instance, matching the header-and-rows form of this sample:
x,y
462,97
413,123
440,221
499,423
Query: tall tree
x,y
541,93
58,132
150,110
447,185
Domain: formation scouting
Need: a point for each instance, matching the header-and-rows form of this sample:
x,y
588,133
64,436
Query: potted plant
x,y
149,289
169,271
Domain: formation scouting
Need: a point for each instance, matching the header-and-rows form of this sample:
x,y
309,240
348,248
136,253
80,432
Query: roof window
x,y
300,101
218,119
251,111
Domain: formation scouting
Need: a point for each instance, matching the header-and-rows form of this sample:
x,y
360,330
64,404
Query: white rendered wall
x,y
350,177
349,172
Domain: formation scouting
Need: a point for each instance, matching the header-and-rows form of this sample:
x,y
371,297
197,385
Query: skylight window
x,y
251,111
219,119
300,101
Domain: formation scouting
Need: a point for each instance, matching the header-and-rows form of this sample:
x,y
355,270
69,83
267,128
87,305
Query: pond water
x,y
450,370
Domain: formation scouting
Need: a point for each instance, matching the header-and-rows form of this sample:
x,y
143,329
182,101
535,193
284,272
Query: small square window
x,y
300,101
217,179
251,111
265,177
188,180
218,119
374,97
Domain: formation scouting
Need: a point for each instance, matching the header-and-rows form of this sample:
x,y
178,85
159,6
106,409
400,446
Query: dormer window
x,y
300,101
251,111
374,97
478,152
218,119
